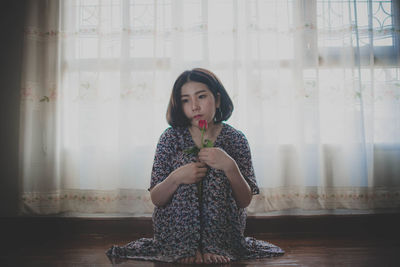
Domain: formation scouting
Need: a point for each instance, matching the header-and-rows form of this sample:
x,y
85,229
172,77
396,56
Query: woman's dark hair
x,y
175,114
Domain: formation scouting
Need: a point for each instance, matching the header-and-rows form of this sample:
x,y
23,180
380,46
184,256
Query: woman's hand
x,y
216,158
190,173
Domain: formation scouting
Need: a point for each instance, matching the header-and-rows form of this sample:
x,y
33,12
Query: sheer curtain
x,y
315,85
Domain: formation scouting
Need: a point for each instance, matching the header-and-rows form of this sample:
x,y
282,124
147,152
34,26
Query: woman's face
x,y
198,103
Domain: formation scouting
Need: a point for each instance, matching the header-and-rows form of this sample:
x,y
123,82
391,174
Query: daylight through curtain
x,y
315,86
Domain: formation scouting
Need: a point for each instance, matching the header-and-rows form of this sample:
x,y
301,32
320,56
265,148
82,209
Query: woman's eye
x,y
184,100
202,96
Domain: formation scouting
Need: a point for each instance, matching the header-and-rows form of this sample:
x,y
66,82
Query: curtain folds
x,y
315,86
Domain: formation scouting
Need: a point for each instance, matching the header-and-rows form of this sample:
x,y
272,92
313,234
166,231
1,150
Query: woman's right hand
x,y
187,174
190,173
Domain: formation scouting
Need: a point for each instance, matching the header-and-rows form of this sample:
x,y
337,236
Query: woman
x,y
207,225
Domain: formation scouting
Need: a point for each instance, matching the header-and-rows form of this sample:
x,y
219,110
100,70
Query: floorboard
x,y
87,248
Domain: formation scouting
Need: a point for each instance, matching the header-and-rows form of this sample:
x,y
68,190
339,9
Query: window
x,y
324,51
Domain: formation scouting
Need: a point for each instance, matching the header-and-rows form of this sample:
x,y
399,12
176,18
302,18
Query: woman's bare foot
x,y
210,258
198,259
207,258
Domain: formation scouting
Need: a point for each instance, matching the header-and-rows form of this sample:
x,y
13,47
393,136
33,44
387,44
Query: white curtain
x,y
315,86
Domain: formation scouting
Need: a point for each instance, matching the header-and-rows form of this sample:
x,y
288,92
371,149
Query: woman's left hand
x,y
216,158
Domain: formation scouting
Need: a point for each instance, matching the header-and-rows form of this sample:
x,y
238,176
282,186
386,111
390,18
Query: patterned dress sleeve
x,y
161,165
244,162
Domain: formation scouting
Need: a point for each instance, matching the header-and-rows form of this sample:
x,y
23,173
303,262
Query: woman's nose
x,y
195,105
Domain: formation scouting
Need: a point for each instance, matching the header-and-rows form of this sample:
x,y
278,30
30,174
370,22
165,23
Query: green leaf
x,y
193,150
208,143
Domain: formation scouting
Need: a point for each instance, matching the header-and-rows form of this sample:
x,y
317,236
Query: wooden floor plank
x,y
89,250
78,244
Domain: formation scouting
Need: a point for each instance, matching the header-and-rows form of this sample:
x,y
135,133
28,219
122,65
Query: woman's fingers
x,y
200,165
201,168
201,174
210,155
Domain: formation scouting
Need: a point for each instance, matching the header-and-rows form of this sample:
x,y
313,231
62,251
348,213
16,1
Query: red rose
x,y
203,124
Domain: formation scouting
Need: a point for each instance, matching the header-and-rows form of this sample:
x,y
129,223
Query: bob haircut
x,y
175,115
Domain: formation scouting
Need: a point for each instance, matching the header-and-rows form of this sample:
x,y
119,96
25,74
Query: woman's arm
x,y
241,189
219,159
190,173
162,193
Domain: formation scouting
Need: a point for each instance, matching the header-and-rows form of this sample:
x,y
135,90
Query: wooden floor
x,y
41,243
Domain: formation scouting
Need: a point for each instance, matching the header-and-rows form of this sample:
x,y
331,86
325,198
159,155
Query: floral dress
x,y
181,227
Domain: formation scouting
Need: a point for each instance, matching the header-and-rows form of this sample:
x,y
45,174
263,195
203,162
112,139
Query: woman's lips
x,y
197,117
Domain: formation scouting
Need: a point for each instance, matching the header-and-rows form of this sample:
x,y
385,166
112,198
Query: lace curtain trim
x,y
270,199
